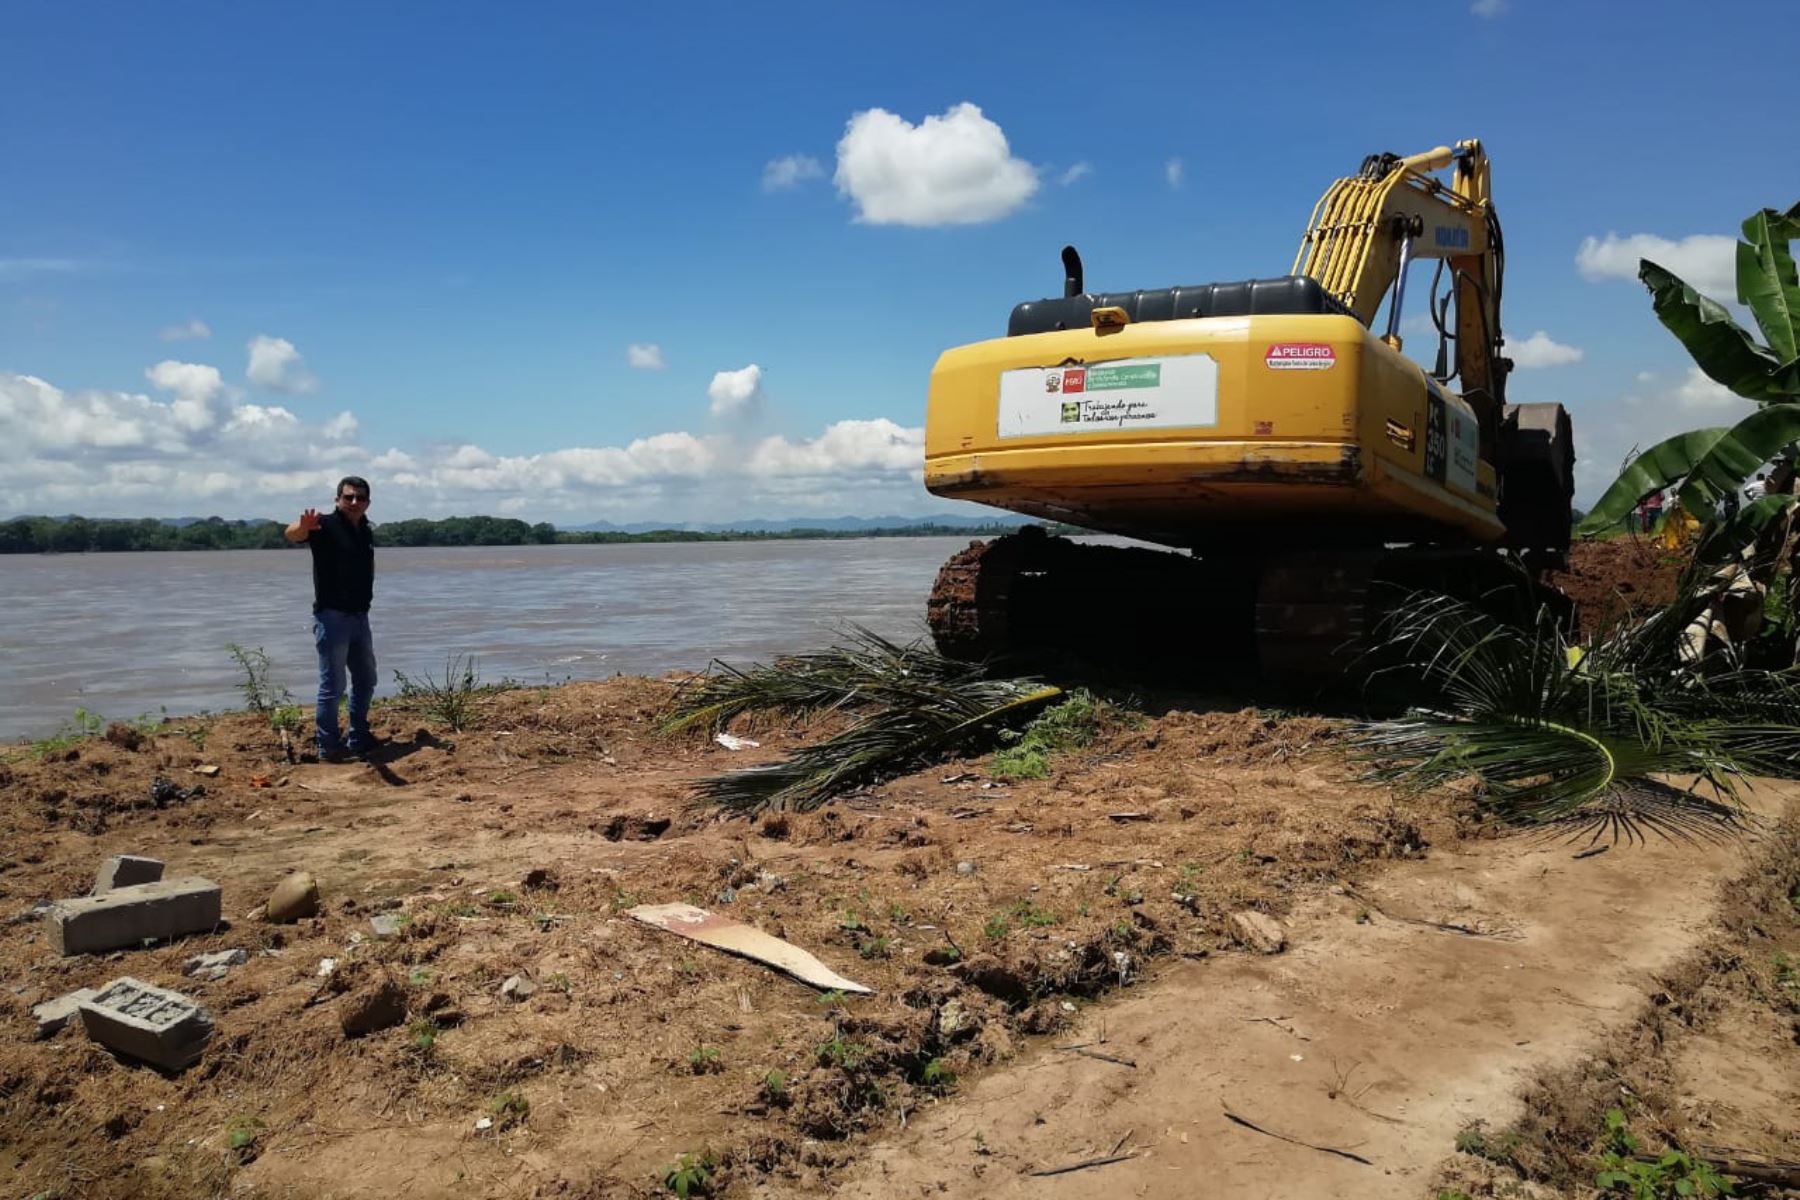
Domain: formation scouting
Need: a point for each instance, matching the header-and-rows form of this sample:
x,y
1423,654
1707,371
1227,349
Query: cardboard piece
x,y
735,937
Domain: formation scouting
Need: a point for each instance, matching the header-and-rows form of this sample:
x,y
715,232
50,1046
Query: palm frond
x,y
887,740
862,668
909,704
1560,734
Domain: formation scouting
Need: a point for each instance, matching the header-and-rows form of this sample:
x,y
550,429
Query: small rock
x,y
326,966
517,987
538,879
965,868
1259,932
952,1019
294,897
378,1006
210,771
215,965
769,881
52,1015
483,1124
387,925
727,895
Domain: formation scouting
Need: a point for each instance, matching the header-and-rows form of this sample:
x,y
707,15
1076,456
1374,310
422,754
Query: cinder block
x,y
126,870
129,916
163,1028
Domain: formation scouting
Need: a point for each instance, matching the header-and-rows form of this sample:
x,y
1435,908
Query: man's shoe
x,y
334,756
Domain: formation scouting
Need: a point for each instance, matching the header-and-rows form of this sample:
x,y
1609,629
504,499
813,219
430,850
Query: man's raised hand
x,y
309,520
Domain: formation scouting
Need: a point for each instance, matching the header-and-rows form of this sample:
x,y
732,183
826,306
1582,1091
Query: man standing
x,y
343,568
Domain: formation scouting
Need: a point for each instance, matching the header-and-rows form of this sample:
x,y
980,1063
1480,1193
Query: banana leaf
x,y
1661,466
1735,457
1720,347
1766,279
1728,538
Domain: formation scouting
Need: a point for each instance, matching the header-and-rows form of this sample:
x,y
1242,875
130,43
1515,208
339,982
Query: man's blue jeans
x,y
344,643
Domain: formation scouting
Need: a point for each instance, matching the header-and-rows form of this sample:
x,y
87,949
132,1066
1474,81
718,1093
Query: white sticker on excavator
x,y
1132,393
1464,444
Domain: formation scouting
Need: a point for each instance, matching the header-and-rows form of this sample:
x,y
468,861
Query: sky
x,y
578,262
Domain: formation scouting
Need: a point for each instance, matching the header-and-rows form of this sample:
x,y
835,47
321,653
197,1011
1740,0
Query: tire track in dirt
x,y
1372,1035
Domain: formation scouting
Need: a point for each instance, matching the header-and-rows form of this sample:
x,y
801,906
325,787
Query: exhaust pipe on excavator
x,y
1073,284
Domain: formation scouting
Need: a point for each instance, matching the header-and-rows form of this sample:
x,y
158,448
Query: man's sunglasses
x,y
353,498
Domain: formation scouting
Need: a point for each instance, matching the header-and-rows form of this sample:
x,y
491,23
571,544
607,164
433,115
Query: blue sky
x,y
228,226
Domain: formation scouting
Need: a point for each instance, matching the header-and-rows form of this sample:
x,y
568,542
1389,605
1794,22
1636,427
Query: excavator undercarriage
x,y
1299,617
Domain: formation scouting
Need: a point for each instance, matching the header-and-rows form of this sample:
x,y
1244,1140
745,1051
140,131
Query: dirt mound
x,y
1618,579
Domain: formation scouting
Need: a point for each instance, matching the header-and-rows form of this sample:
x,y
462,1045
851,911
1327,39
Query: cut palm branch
x,y
908,705
1558,733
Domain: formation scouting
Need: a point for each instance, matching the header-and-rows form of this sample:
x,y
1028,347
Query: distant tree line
x,y
76,535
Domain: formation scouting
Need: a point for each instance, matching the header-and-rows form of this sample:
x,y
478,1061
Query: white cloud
x,y
1488,8
845,447
737,392
1539,350
1174,172
781,174
645,356
107,453
276,365
1706,260
954,169
13,270
198,390
1696,391
192,330
1608,432
1080,170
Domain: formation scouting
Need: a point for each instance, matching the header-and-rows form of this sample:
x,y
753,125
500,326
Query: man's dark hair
x,y
355,481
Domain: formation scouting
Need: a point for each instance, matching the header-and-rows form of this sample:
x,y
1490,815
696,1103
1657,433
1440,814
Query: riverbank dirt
x,y
993,921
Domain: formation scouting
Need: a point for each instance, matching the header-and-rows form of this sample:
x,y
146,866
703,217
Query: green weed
x,y
1623,1173
690,1175
1069,725
451,699
705,1060
509,1108
84,726
423,1034
840,1051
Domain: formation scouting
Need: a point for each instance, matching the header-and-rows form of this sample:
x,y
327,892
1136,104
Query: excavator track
x,y
1305,618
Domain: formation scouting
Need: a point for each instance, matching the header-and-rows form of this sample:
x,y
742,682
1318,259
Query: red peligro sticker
x,y
1074,380
1300,356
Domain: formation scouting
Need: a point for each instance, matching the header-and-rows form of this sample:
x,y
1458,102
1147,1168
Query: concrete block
x,y
160,1027
129,916
52,1015
126,870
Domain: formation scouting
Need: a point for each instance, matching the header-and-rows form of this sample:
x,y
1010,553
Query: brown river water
x,y
128,634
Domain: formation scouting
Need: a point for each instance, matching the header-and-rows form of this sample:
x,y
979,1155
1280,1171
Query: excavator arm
x,y
1368,228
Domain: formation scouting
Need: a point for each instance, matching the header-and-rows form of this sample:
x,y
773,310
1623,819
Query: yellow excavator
x,y
1309,469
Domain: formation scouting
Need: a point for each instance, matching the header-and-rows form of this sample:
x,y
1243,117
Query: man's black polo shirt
x,y
343,562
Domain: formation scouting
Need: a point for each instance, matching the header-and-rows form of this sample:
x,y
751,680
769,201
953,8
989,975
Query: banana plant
x,y
1706,465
